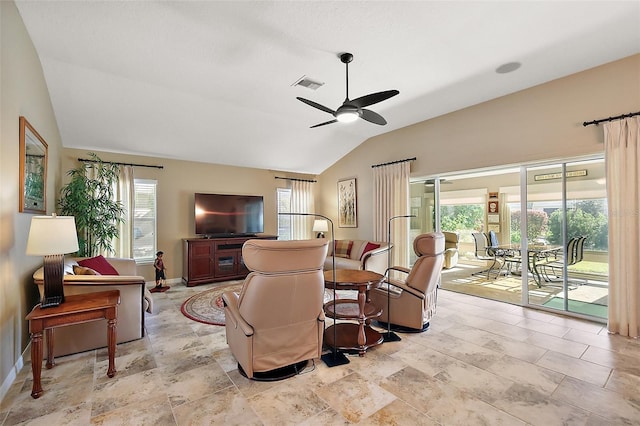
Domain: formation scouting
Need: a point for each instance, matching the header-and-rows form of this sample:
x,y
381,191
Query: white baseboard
x,y
13,374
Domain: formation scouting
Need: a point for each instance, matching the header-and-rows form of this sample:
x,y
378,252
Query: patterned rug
x,y
208,307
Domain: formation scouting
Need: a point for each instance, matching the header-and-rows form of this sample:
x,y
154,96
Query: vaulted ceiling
x,y
213,81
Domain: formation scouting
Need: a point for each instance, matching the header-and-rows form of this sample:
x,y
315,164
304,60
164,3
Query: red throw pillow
x,y
368,248
99,264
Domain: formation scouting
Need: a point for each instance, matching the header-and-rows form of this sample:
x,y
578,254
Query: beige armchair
x,y
412,301
451,240
275,325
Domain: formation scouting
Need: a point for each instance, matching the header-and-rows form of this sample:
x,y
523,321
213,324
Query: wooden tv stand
x,y
207,260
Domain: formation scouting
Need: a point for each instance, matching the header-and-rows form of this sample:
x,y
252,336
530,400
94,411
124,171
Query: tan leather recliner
x,y
413,301
277,320
451,240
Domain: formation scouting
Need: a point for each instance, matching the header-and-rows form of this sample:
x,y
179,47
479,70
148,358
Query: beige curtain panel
x,y
301,202
125,193
622,157
391,198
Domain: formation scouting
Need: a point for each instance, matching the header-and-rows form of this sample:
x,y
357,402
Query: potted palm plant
x,y
89,197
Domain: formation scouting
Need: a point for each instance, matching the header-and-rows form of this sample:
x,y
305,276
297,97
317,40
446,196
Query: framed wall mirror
x,y
33,170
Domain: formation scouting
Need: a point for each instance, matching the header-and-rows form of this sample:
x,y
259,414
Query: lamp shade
x,y
320,225
52,235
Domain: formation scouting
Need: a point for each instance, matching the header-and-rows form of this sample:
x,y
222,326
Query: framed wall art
x,y
33,169
347,203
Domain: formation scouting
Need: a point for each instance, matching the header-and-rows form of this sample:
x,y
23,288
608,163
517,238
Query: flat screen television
x,y
225,214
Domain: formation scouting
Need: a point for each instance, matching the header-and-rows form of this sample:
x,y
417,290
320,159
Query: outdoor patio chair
x,y
579,254
486,253
509,257
552,269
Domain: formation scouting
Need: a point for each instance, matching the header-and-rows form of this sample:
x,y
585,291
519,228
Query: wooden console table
x,y
351,336
76,309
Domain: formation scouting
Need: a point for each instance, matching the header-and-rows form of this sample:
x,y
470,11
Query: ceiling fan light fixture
x,y
351,110
347,116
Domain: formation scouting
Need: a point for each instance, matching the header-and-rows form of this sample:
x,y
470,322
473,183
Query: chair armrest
x,y
406,288
399,269
376,260
232,313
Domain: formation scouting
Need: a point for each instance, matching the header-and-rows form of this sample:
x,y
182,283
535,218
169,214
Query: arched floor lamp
x,y
335,357
390,336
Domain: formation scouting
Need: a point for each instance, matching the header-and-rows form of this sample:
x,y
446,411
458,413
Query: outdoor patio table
x,y
536,255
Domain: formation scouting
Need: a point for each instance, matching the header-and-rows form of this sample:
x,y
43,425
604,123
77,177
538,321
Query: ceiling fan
x,y
351,110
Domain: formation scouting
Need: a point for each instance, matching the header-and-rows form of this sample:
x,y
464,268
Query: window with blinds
x,y
284,206
144,221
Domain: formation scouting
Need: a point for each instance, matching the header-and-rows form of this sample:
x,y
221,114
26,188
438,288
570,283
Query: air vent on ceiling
x,y
310,84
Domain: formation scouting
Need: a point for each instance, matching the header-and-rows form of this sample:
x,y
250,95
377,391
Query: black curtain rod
x,y
86,160
617,117
298,180
393,162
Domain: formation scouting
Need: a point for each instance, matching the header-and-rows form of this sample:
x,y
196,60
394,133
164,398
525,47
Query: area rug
x,y
208,307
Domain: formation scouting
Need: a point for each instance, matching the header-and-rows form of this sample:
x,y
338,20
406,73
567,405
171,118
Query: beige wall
x,y
24,92
540,123
177,182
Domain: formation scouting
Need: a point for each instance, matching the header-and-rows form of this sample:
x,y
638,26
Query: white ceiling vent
x,y
310,84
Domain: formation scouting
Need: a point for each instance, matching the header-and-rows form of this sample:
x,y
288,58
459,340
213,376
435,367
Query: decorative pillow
x,y
68,267
99,264
343,248
82,270
368,248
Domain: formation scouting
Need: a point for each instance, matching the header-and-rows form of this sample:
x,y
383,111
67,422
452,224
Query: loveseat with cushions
x,y
359,254
134,300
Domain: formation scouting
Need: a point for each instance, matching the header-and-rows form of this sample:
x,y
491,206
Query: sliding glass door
x,y
549,219
566,237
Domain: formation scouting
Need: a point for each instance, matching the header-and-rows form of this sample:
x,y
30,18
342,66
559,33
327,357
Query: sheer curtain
x,y
301,202
505,219
622,159
125,193
391,198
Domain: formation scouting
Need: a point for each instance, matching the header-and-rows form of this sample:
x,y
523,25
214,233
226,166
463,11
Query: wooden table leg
x,y
50,359
362,337
111,345
36,363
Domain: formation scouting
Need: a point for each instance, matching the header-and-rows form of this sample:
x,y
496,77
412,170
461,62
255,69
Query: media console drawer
x,y
207,260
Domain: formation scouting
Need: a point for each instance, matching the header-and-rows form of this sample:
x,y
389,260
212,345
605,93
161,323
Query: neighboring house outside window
x,y
144,221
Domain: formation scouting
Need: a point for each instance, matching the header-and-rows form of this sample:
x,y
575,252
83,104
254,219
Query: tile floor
x,y
481,363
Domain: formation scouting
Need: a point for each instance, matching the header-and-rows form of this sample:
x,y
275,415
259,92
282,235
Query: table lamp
x,y
320,226
52,237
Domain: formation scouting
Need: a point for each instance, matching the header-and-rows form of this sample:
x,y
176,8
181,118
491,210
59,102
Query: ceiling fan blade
x,y
317,105
322,124
372,117
373,98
